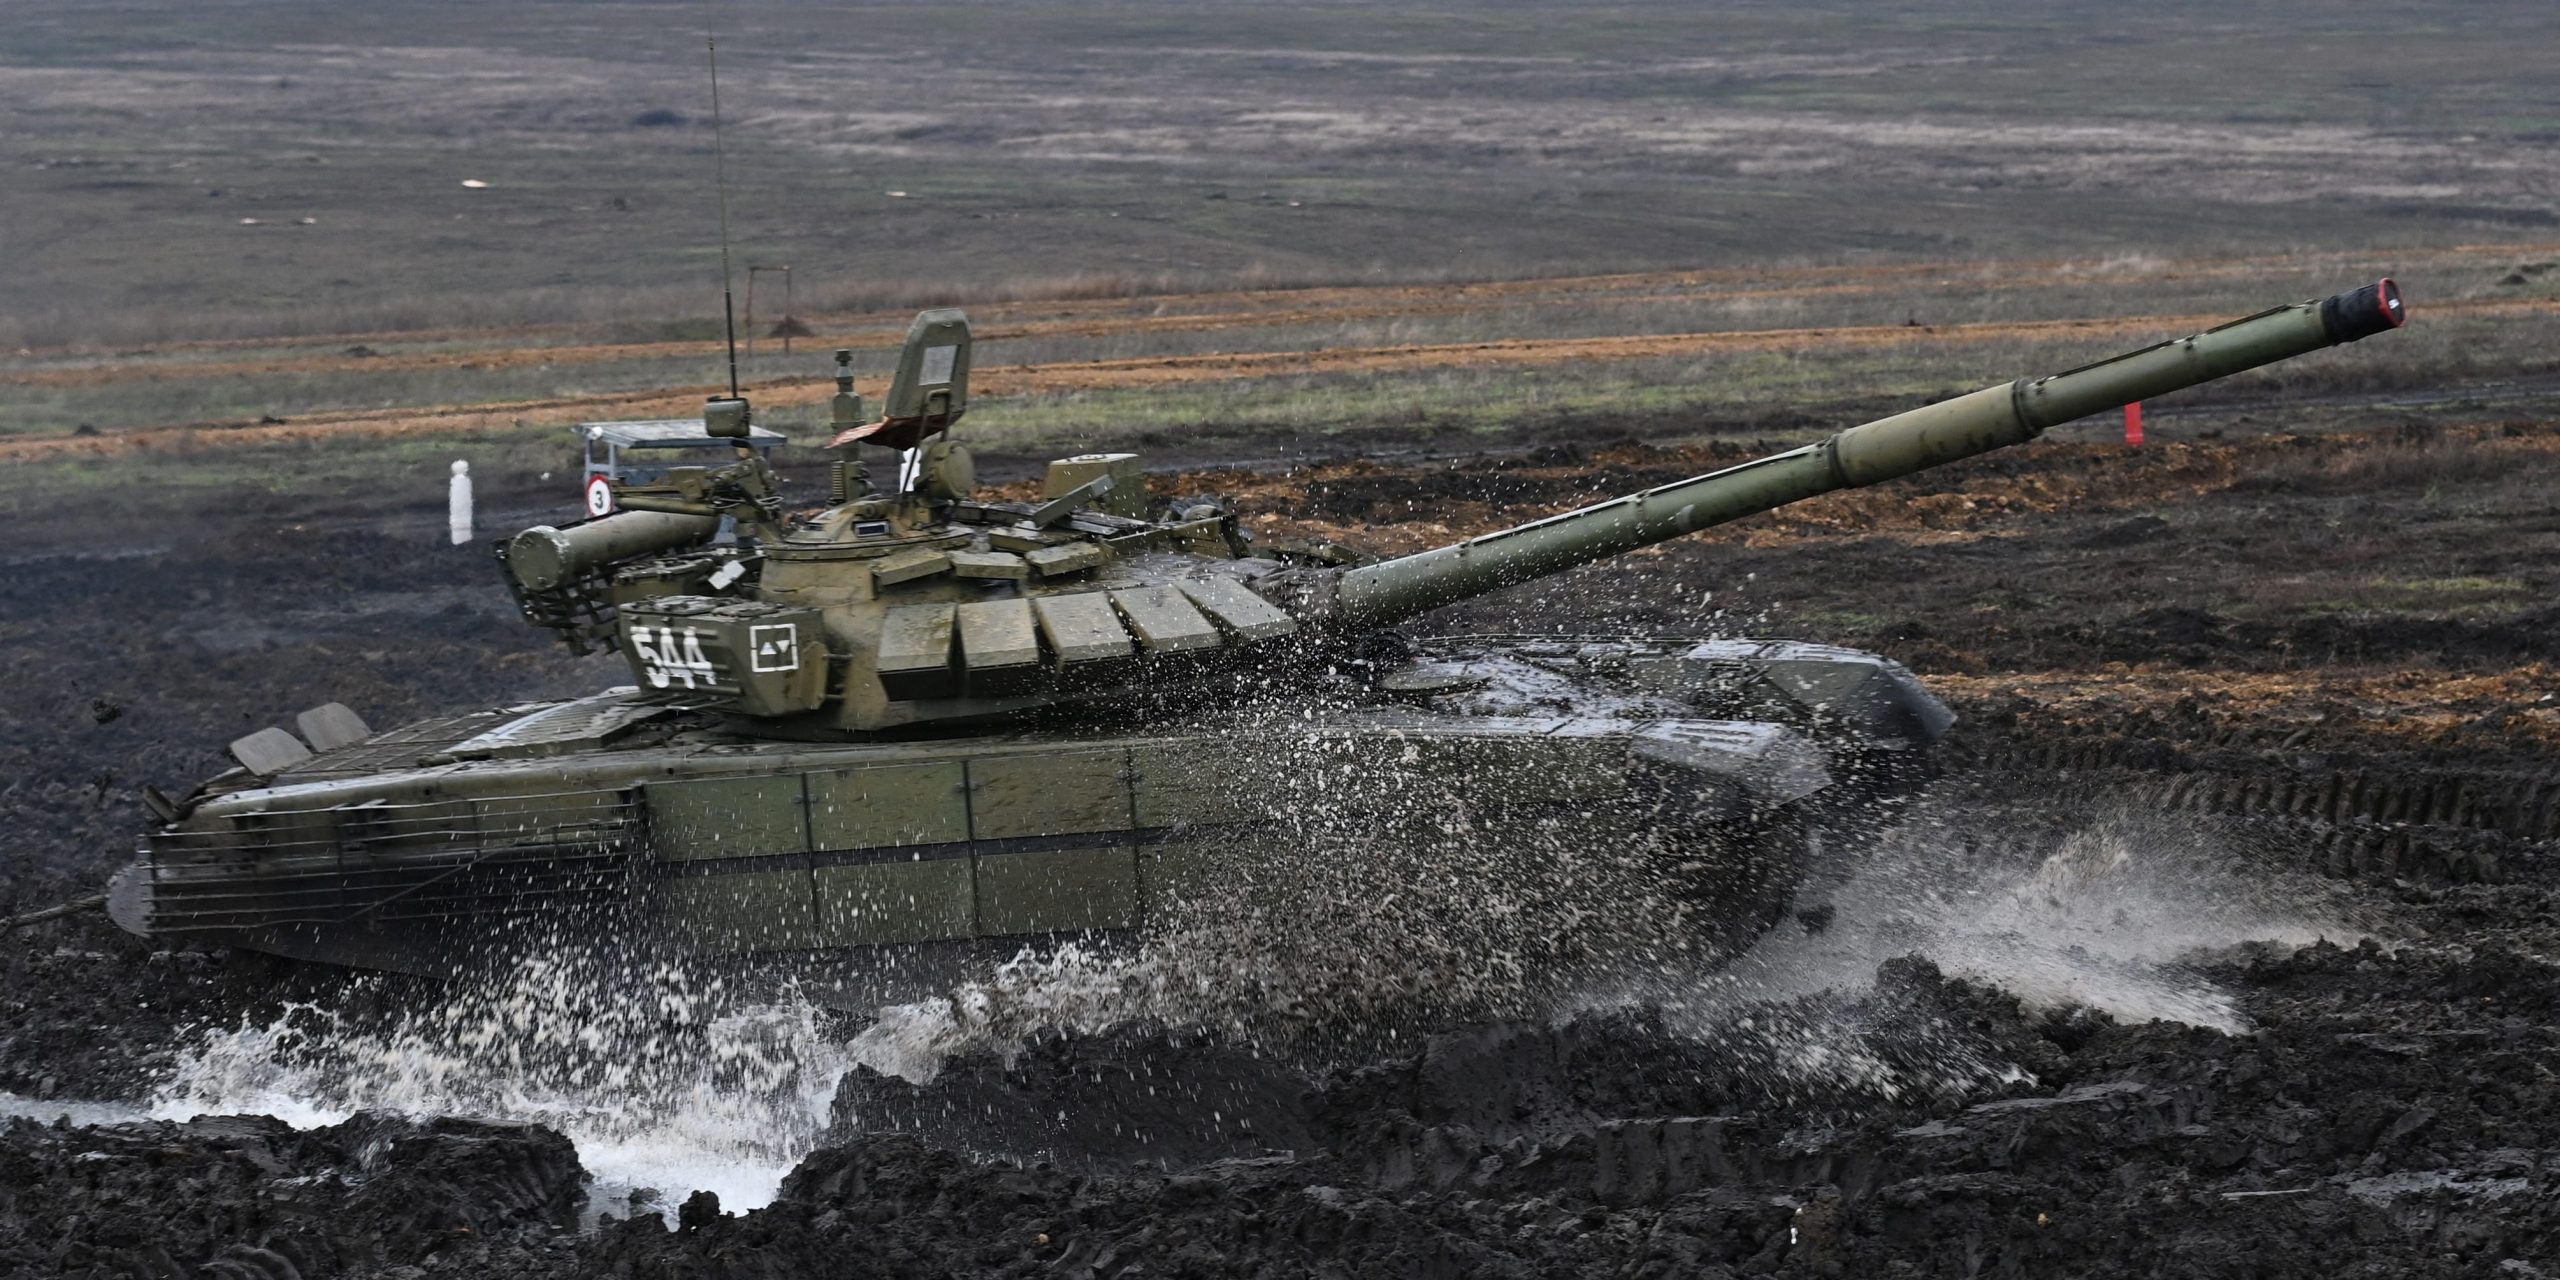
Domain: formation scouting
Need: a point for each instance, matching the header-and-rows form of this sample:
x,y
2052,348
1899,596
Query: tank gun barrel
x,y
1950,430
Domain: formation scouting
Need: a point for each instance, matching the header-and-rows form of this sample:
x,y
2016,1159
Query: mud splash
x,y
2107,921
2122,919
667,1082
1922,988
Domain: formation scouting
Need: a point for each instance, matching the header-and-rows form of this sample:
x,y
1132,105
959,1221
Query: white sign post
x,y
457,504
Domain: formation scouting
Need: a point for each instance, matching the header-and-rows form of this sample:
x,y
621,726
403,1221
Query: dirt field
x,y
2222,948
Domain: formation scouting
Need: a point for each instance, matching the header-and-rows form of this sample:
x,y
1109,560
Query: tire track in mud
x,y
2341,849
2364,820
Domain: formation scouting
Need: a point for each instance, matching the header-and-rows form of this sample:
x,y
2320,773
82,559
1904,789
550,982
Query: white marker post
x,y
457,503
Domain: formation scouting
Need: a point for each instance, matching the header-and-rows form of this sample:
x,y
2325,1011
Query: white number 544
x,y
664,659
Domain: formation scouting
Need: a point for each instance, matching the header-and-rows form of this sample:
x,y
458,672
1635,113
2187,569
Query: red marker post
x,y
2133,423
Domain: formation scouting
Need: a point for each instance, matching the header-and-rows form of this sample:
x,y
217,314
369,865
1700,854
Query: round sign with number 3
x,y
599,496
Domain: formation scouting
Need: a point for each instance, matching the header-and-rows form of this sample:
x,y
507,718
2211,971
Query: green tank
x,y
914,727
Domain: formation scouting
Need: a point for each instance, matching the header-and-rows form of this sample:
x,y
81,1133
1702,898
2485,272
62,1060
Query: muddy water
x,y
669,1083
665,1083
2107,922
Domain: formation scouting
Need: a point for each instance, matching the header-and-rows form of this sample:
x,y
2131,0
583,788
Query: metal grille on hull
x,y
426,861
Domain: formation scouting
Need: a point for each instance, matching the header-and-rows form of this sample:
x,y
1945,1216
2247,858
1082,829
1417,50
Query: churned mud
x,y
2224,944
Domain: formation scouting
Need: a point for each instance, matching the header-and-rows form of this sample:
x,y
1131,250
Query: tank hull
x,y
1499,776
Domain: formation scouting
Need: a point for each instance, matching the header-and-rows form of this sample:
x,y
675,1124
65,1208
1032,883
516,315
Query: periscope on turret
x,y
918,720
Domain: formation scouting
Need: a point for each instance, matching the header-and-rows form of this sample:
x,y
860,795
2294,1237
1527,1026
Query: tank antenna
x,y
720,188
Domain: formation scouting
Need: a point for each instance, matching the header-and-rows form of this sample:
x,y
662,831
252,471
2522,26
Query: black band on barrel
x,y
2364,312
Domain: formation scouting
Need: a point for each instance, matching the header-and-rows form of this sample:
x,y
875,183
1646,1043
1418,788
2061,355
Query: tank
x,y
914,727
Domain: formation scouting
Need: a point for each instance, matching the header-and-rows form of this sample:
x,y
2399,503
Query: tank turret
x,y
927,604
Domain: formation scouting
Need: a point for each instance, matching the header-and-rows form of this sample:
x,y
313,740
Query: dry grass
x,y
2421,461
1340,358
2419,709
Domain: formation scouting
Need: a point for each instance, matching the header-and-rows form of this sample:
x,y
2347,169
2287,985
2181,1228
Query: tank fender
x,y
1871,699
1771,763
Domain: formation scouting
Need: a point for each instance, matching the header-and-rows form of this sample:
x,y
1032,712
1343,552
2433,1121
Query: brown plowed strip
x,y
1096,375
2427,708
1206,311
882,335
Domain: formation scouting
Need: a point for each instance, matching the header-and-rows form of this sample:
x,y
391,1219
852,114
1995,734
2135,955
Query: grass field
x,y
904,155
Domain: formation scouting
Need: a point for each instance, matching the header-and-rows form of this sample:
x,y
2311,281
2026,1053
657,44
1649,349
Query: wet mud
x,y
2223,946
250,1196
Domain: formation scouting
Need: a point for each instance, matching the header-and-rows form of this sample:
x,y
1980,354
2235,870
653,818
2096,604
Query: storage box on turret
x,y
1127,495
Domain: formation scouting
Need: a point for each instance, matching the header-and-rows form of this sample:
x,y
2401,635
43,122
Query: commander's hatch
x,y
930,390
